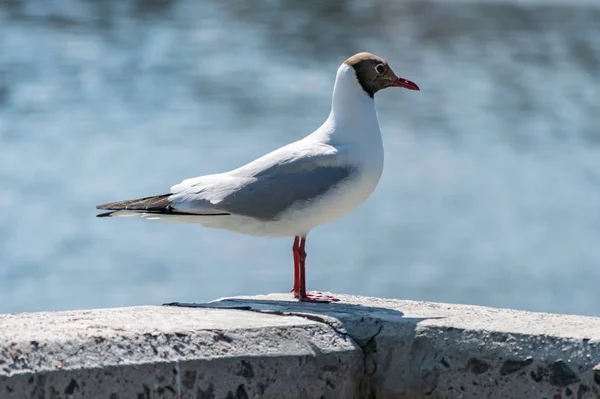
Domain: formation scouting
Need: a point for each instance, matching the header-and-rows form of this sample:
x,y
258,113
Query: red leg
x,y
302,269
302,294
295,248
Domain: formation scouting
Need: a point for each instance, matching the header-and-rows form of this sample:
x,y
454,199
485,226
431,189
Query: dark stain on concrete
x,y
240,392
245,370
430,379
582,391
562,375
597,375
70,389
161,390
209,393
512,366
539,374
189,379
145,394
40,386
477,366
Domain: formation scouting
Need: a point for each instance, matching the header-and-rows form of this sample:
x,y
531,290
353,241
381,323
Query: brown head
x,y
374,74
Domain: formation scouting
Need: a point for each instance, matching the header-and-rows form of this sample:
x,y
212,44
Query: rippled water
x,y
491,188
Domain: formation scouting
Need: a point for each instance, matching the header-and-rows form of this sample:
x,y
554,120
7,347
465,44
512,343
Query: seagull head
x,y
374,74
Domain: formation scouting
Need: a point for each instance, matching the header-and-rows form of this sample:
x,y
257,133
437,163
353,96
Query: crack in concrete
x,y
307,316
367,385
368,346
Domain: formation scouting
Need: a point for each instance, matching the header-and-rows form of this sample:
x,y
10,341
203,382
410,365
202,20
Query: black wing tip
x,y
105,214
109,214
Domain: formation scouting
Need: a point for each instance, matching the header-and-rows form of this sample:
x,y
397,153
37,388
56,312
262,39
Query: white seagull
x,y
288,192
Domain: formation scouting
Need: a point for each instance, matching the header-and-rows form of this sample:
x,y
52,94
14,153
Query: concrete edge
x,y
272,347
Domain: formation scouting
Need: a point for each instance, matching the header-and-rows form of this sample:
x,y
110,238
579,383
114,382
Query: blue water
x,y
491,188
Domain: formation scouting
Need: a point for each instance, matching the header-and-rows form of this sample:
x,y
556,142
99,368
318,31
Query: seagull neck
x,y
351,105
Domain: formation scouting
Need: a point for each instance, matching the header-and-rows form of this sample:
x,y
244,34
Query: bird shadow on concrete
x,y
361,322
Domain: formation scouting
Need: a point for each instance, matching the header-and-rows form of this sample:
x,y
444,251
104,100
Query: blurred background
x,y
491,188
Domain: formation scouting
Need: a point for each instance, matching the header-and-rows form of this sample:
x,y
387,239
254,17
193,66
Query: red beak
x,y
407,84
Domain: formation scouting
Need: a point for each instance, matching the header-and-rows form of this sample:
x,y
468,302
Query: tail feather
x,y
156,203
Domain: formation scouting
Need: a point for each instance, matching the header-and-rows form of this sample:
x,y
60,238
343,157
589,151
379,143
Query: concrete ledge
x,y
273,347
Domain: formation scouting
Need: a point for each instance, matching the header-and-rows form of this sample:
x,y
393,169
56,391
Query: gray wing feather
x,y
269,195
266,187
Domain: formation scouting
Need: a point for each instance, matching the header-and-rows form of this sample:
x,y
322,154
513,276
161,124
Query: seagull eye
x,y
380,69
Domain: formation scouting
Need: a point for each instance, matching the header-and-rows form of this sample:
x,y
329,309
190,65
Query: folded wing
x,y
262,189
267,187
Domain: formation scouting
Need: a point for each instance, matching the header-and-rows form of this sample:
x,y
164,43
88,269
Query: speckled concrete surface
x,y
273,347
170,352
434,350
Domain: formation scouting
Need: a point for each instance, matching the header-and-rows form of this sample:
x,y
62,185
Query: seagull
x,y
288,192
